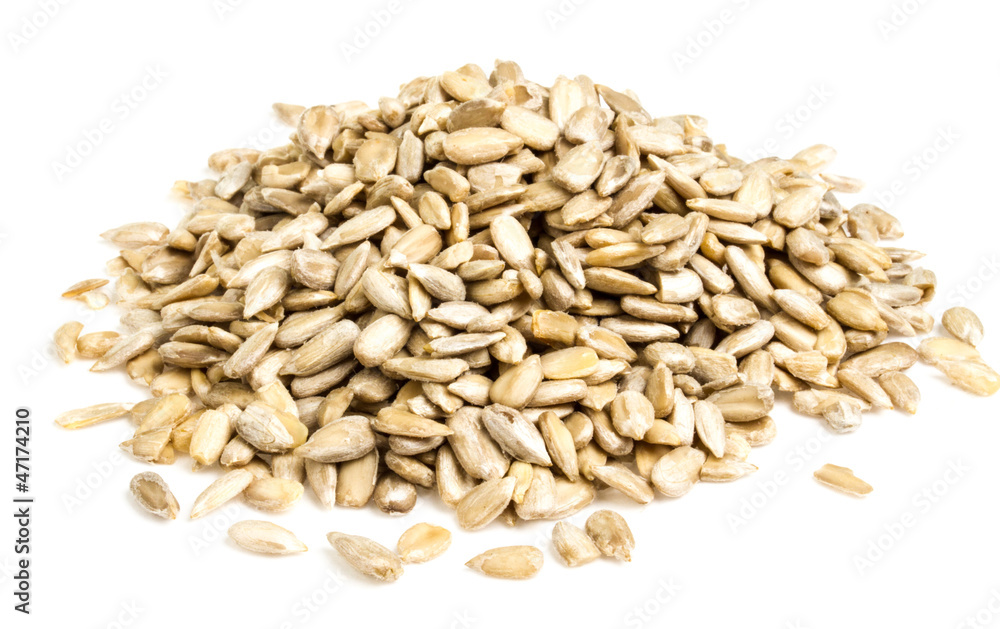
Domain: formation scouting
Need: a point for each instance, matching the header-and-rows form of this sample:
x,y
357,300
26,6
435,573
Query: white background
x,y
906,92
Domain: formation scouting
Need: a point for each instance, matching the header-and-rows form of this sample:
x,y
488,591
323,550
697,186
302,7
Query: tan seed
x,y
508,562
611,534
842,479
264,537
423,542
366,556
153,495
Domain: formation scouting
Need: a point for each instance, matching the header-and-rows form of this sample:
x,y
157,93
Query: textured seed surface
x,y
963,324
222,490
573,544
264,537
423,542
153,495
508,562
91,415
485,503
366,556
611,534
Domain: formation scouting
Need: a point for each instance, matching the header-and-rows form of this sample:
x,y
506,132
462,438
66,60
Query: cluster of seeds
x,y
512,295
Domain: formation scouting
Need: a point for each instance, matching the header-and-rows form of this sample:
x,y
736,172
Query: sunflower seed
x,y
508,562
153,495
366,556
842,479
423,542
485,502
611,534
264,537
963,324
224,489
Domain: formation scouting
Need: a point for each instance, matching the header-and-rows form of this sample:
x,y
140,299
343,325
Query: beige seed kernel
x,y
611,534
153,495
963,324
264,537
574,546
366,556
423,542
508,562
223,489
842,479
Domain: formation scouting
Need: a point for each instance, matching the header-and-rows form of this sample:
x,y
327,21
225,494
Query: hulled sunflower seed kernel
x,y
842,479
264,537
153,495
508,562
611,534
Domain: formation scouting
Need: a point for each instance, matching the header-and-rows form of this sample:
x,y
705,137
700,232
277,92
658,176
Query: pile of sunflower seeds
x,y
509,294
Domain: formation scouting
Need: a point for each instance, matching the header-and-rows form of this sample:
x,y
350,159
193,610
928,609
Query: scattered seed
x,y
423,542
264,537
611,534
842,479
153,495
367,557
508,562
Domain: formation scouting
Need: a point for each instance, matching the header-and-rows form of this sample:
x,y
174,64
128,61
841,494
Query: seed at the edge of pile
x,y
83,286
91,415
222,490
573,544
151,492
485,503
973,376
366,556
963,324
611,534
901,390
264,537
66,338
508,562
842,479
